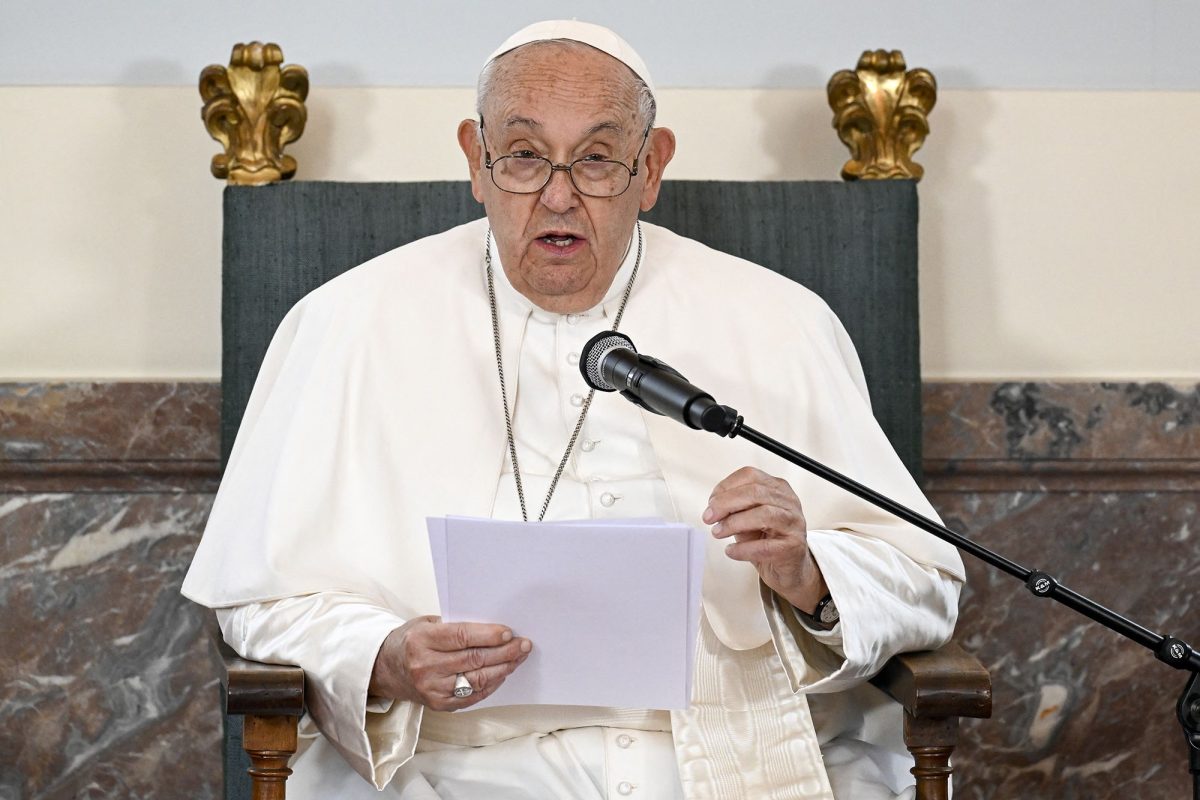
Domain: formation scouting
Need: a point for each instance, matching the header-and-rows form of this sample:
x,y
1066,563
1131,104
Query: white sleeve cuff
x,y
335,638
887,604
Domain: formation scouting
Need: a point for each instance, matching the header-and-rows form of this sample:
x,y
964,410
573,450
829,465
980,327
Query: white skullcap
x,y
595,36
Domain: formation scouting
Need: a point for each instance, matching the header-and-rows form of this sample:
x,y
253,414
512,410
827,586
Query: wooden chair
x,y
936,689
283,240
853,243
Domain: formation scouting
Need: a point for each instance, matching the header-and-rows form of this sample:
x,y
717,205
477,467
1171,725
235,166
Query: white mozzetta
x,y
336,389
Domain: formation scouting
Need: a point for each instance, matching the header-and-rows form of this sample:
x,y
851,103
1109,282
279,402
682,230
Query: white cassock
x,y
378,405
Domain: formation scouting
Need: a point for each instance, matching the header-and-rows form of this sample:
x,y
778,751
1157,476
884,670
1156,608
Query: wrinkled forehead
x,y
539,82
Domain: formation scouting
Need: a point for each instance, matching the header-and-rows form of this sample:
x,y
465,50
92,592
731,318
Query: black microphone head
x,y
593,355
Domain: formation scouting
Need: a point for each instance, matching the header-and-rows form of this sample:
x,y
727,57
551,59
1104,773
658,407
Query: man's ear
x,y
660,148
468,140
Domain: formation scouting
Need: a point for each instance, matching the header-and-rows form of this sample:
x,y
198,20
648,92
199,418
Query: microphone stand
x,y
725,421
612,363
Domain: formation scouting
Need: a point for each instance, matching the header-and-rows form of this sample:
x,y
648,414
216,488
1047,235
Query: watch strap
x,y
824,617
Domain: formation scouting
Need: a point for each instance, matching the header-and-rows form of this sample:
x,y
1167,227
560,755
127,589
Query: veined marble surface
x,y
108,681
1099,485
109,437
1080,712
1060,421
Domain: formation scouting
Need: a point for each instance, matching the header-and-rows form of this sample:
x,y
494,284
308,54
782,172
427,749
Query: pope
x,y
315,552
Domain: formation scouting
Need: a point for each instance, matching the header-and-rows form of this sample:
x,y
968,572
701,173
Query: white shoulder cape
x,y
378,405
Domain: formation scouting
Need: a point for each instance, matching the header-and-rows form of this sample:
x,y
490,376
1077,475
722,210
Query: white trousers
x,y
573,764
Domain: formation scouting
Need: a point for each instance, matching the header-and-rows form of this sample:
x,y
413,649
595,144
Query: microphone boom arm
x,y
1167,649
611,363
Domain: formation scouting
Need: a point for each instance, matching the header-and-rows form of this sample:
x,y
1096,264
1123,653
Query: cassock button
x,y
624,740
577,400
572,319
607,499
588,445
625,787
572,358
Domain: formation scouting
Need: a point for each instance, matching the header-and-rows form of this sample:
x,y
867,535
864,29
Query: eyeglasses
x,y
591,176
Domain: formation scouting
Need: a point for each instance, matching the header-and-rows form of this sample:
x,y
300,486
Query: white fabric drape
x,y
377,405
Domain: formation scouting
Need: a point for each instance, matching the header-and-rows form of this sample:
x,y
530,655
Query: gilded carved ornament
x,y
254,108
881,112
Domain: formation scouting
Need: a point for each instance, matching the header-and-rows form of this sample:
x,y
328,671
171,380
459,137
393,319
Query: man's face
x,y
560,248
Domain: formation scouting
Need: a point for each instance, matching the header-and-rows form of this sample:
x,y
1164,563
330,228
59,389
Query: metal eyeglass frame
x,y
567,168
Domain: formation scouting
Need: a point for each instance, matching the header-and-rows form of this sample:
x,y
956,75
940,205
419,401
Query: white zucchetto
x,y
595,36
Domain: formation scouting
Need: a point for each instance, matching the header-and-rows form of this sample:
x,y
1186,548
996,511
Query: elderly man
x,y
315,552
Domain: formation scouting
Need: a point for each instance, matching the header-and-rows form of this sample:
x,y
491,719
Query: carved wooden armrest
x,y
271,698
936,687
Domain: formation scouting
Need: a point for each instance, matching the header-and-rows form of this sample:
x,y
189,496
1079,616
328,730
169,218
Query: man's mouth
x,y
560,244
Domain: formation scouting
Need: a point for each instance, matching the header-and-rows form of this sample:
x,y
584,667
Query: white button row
x,y
624,740
608,499
588,445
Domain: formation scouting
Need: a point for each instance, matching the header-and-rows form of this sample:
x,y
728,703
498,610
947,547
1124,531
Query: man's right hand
x,y
419,661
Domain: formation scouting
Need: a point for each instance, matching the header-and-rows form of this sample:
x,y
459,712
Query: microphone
x,y
610,363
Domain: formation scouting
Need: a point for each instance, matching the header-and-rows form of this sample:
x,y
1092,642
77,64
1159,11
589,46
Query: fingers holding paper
x,y
763,520
420,661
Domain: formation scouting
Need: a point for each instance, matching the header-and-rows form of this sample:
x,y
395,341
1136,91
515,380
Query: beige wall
x,y
1059,229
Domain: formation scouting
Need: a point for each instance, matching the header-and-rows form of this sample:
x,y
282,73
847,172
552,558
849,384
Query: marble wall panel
x,y
108,679
1080,712
95,437
1099,485
1061,421
109,422
108,682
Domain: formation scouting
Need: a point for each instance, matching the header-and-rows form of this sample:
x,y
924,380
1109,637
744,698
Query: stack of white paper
x,y
612,607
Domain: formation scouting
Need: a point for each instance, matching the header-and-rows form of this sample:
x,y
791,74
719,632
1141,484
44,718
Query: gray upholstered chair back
x,y
855,244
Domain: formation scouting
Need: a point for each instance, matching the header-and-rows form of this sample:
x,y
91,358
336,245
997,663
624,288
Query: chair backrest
x,y
855,244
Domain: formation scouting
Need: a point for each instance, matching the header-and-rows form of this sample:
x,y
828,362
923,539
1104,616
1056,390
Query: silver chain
x,y
587,403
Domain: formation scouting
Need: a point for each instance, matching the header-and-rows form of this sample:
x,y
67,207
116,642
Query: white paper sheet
x,y
612,607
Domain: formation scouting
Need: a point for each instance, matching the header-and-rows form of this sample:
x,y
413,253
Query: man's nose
x,y
560,194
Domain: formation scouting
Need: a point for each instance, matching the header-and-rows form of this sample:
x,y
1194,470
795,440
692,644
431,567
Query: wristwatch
x,y
824,617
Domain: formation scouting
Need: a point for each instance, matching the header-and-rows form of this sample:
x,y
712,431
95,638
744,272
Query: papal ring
x,y
462,687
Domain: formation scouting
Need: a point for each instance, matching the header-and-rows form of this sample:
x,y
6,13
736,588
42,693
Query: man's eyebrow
x,y
599,127
604,126
513,122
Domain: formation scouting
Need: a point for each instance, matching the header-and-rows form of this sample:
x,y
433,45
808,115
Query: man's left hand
x,y
764,519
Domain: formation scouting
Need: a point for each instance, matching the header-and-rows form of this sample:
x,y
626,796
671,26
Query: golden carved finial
x,y
254,109
881,113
